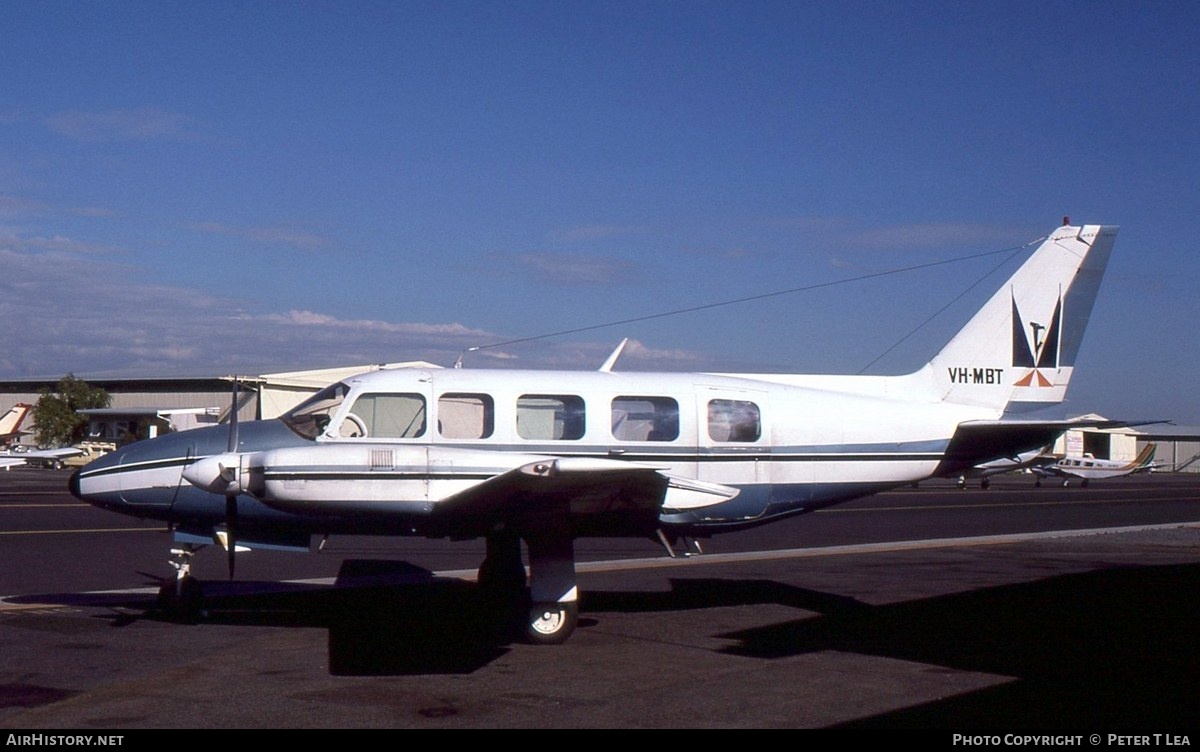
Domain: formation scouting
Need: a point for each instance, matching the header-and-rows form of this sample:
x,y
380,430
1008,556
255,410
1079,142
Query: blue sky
x,y
206,188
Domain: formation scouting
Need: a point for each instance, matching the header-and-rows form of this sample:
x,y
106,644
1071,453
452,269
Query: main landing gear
x,y
552,599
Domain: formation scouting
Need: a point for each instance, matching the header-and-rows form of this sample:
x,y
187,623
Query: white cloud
x,y
57,243
135,124
270,235
17,206
933,235
593,232
574,269
88,315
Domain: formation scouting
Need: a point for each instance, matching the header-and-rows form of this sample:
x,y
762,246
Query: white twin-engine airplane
x,y
546,457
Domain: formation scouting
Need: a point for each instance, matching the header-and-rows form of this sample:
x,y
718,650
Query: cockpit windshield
x,y
312,416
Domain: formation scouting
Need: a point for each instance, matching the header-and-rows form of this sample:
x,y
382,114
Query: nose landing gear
x,y
181,597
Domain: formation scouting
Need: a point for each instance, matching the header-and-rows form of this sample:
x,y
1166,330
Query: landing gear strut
x,y
181,596
501,577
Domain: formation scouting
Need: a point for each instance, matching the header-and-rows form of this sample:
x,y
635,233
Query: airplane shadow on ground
x,y
1108,649
1112,648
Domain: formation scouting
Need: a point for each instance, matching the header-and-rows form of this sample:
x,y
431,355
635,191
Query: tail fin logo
x,y
1035,346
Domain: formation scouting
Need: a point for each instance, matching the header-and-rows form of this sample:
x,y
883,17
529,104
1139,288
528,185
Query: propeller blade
x,y
231,498
230,531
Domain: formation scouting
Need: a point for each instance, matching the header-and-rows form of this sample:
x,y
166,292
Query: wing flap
x,y
978,441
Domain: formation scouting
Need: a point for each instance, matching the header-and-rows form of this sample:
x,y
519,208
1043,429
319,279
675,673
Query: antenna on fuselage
x,y
612,359
458,363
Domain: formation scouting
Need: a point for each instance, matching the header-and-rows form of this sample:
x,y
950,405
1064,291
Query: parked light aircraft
x,y
52,458
1088,467
546,457
985,470
10,424
10,432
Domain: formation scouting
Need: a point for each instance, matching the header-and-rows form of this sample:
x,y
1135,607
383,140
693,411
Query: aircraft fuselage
x,y
400,442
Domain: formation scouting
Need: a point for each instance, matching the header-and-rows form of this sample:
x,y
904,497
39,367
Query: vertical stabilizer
x,y
1018,352
10,422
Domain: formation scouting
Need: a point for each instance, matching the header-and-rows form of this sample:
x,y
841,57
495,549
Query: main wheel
x,y
551,623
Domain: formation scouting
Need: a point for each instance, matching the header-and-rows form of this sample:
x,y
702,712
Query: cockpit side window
x,y
311,417
385,416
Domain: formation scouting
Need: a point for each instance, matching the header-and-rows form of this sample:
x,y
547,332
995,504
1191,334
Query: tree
x,y
55,414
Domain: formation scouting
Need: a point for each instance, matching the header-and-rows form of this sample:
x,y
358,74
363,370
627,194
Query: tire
x,y
551,623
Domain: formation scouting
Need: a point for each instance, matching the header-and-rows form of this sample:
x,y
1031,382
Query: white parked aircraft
x,y
985,470
1088,467
52,458
10,423
13,456
545,457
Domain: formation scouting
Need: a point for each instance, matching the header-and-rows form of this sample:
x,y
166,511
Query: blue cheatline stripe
x,y
904,452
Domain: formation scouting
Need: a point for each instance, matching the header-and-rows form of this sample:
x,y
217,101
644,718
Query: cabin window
x,y
550,416
645,419
466,416
310,417
385,416
733,420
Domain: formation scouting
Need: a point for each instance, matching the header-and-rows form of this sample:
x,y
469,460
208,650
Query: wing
x,y
1051,471
39,456
469,492
596,494
54,454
